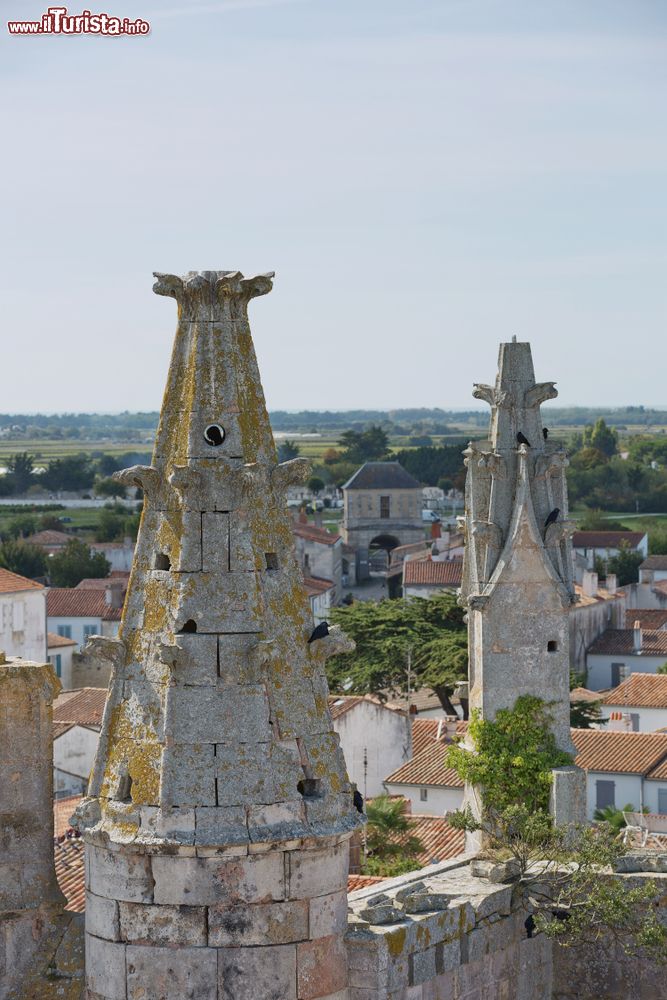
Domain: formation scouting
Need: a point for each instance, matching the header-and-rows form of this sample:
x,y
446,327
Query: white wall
x,y
650,719
599,667
23,624
651,789
77,624
439,800
74,751
65,653
386,737
627,790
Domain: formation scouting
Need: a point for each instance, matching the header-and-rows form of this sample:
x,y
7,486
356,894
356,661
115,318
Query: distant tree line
x,y
72,473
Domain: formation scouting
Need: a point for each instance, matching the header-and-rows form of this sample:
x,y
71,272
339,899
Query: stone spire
x,y
219,781
517,580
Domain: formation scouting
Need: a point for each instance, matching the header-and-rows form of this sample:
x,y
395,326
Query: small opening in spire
x,y
309,787
188,626
162,561
124,793
271,560
214,435
552,646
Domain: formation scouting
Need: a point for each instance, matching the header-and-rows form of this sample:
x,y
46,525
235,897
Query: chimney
x,y
435,529
637,637
619,722
113,596
589,583
611,583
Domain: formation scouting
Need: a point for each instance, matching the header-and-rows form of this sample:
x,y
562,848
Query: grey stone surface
x,y
202,881
155,973
141,923
119,875
257,973
262,924
105,968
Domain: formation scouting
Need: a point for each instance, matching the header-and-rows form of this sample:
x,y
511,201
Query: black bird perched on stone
x,y
545,433
553,516
522,439
358,800
319,631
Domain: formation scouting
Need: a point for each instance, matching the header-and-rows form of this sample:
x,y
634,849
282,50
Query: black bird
x,y
319,631
553,516
545,433
358,800
522,439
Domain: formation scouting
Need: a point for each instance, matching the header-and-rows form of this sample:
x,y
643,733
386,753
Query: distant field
x,y
83,519
48,450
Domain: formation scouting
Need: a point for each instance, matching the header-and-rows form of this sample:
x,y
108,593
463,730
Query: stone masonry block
x,y
232,603
163,925
193,659
321,967
119,875
266,973
278,821
105,968
188,775
318,872
245,774
218,715
328,914
204,881
258,924
215,542
171,973
102,917
221,826
238,663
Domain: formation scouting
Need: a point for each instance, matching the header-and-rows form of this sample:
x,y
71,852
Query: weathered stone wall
x,y
30,899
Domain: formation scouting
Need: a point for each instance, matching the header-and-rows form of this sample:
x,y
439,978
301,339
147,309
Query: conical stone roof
x,y
216,729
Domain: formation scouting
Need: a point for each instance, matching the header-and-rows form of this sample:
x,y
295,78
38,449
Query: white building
x,y
320,555
597,609
604,545
653,569
119,555
641,703
77,718
22,617
77,614
623,769
373,738
321,595
59,652
617,653
426,577
424,780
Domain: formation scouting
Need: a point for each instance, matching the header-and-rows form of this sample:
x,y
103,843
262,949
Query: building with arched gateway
x,y
383,505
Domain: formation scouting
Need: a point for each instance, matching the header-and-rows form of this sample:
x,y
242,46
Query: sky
x,y
426,178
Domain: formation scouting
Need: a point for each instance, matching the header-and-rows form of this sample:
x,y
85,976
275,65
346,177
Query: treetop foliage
x,y
75,563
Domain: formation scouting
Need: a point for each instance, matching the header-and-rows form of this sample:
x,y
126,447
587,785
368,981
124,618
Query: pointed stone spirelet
x,y
517,581
219,798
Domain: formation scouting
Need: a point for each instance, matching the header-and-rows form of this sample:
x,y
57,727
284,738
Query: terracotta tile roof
x,y
425,732
584,600
426,768
440,841
61,727
422,700
619,752
82,708
70,602
317,585
427,571
621,641
54,641
651,618
355,882
654,562
101,546
62,810
339,704
583,694
12,583
49,537
101,583
659,773
68,854
311,533
606,539
639,691
660,587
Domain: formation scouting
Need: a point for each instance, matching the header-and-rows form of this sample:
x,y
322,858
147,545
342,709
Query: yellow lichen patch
x,y
155,609
396,942
256,436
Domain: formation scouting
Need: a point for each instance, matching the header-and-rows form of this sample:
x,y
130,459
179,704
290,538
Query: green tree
x,y
287,450
110,488
431,630
20,470
315,484
565,871
110,525
435,466
75,563
73,472
22,525
584,714
625,565
22,558
595,520
662,669
391,848
599,436
364,446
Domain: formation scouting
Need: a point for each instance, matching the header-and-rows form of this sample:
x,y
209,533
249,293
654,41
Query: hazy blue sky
x,y
426,177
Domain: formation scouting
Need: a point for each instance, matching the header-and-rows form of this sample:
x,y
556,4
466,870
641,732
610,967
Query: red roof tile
x,y
70,602
339,704
654,562
317,585
355,882
12,583
439,840
311,533
621,641
101,583
49,538
82,708
583,694
647,617
606,539
425,732
62,810
619,752
429,572
639,691
54,641
426,768
70,872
